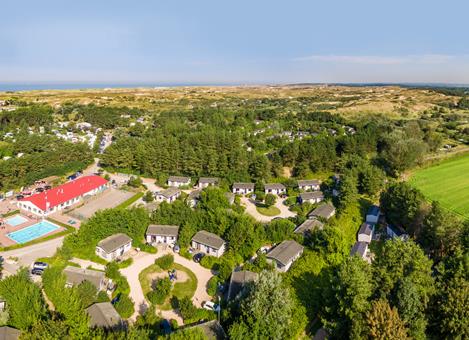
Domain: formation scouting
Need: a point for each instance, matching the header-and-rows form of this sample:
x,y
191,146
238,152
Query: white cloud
x,y
380,60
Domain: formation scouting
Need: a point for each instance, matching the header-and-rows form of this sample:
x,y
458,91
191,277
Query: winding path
x,y
144,260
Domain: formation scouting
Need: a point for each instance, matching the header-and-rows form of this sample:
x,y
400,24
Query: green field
x,y
446,182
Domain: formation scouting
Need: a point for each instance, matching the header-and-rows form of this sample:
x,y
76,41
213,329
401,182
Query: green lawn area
x,y
446,182
268,211
179,290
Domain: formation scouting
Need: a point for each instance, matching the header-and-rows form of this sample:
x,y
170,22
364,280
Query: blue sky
x,y
234,41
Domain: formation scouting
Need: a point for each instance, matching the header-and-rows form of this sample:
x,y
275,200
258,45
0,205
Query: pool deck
x,y
5,229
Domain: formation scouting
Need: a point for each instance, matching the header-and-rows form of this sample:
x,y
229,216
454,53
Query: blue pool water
x,y
32,232
16,220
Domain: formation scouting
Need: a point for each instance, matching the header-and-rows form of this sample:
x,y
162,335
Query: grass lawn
x,y
268,211
179,290
446,182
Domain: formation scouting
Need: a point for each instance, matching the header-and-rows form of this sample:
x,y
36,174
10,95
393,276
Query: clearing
x,y
446,182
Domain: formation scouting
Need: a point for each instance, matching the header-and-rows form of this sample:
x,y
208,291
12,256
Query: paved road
x,y
251,210
27,255
144,260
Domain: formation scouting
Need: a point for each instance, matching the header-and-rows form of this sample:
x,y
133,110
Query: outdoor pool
x,y
32,232
16,220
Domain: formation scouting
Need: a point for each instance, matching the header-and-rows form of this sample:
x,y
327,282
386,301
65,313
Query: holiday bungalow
x,y
285,254
75,275
275,189
312,184
361,249
104,315
372,215
208,243
206,182
312,197
63,196
178,181
165,234
324,211
114,246
365,234
243,188
169,195
308,226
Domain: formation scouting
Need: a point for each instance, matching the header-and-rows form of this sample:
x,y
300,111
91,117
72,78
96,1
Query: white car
x,y
209,305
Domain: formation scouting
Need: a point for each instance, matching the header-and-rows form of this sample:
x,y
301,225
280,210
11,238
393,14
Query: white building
x,y
243,188
306,185
162,234
207,181
361,249
372,216
285,254
208,243
275,189
178,181
312,197
65,195
169,195
365,234
114,246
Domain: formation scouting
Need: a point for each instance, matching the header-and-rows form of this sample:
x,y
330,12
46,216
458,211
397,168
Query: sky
x,y
234,42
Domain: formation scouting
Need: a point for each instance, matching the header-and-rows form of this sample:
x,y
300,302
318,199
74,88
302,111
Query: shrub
x,y
135,182
148,248
161,291
165,262
269,200
209,262
174,324
186,308
125,263
212,286
102,297
185,253
148,197
124,306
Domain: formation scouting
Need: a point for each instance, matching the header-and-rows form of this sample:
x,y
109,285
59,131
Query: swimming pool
x,y
32,232
16,220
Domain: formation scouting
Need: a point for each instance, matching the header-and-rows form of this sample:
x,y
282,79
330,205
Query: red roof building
x,y
50,201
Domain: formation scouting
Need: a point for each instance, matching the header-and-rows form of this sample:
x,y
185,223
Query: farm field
x,y
446,182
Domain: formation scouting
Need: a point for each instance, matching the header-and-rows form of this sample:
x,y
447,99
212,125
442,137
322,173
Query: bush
x,y
270,200
125,263
148,248
212,286
135,182
124,306
186,308
209,262
165,262
148,197
161,291
185,253
102,297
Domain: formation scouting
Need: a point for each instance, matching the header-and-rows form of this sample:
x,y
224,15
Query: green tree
x,y
165,262
347,299
24,300
269,200
384,322
87,292
124,306
266,311
280,230
148,197
348,189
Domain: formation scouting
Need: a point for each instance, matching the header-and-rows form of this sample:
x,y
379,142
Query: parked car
x,y
40,265
19,197
37,271
176,248
39,189
197,257
209,305
47,187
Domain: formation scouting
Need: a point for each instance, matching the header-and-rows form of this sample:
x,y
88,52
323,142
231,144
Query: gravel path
x,y
251,210
144,260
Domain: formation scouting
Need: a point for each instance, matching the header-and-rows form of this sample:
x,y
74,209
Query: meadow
x,y
446,182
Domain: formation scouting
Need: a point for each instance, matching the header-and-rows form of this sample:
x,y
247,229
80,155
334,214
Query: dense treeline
x,y
43,156
26,116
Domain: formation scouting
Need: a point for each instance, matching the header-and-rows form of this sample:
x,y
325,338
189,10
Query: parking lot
x,y
108,199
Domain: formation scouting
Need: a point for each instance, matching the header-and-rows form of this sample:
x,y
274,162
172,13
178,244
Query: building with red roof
x,y
65,195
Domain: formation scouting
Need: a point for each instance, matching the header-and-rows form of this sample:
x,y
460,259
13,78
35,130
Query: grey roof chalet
x,y
366,229
9,333
274,186
359,248
307,182
170,192
163,230
212,330
373,210
208,239
113,242
243,185
285,252
180,179
309,225
323,211
104,315
194,195
209,180
238,281
76,275
311,195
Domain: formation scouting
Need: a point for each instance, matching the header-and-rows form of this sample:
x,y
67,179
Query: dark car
x,y
39,189
47,187
197,257
37,271
19,197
